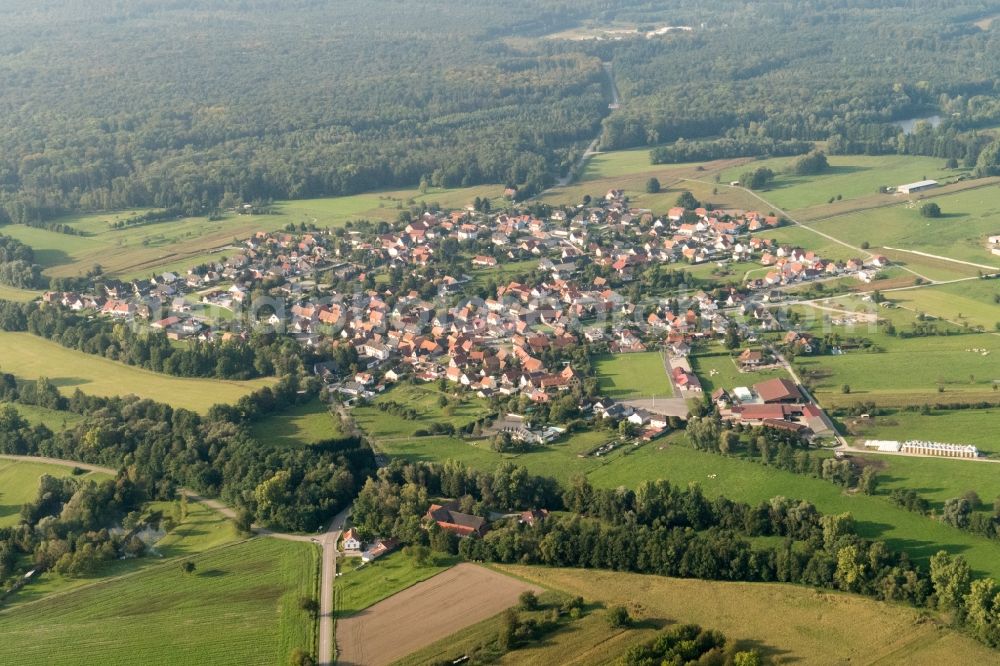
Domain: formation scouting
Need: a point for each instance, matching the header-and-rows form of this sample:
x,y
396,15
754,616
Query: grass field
x,y
786,623
30,357
300,425
968,217
909,371
801,237
364,585
240,606
52,419
960,426
19,484
938,480
850,176
969,302
424,399
19,295
633,375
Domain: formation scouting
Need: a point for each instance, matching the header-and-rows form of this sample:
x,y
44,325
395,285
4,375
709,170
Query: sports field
x,y
640,375
239,606
30,357
19,485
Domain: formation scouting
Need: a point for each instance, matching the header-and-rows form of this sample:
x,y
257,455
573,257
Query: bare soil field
x,y
427,612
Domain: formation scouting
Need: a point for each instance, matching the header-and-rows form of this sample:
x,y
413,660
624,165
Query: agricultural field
x,y
849,176
30,357
630,170
912,371
424,398
177,245
239,606
968,302
19,485
428,611
720,371
300,425
957,426
960,233
363,585
640,375
786,623
938,480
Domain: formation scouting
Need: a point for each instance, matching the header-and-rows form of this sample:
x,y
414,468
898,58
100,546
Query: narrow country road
x,y
591,150
327,542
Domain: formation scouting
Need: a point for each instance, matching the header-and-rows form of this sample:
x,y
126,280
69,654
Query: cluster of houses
x,y
791,265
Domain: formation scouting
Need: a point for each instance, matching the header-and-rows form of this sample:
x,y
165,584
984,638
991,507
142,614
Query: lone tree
x,y
618,617
653,185
930,210
687,200
187,566
529,600
309,605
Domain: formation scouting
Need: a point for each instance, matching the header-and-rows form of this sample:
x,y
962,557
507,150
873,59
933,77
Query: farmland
x,y
19,484
363,585
638,375
30,357
960,233
239,606
298,426
426,612
788,624
910,371
849,176
970,302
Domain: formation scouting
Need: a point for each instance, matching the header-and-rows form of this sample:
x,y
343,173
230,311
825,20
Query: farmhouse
x,y
918,186
778,391
351,541
450,519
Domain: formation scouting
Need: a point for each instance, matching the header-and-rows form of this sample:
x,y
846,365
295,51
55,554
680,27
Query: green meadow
x,y
960,233
239,606
969,302
297,426
954,426
424,398
849,176
909,371
30,357
640,375
720,370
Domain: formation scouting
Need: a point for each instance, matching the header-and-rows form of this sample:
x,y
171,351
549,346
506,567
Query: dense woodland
x,y
179,104
162,449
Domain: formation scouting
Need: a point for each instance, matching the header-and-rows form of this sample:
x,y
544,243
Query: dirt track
x,y
425,613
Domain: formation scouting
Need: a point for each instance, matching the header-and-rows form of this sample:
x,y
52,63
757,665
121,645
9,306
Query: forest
x,y
177,104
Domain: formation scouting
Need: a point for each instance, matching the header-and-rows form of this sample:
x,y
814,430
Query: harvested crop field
x,y
427,612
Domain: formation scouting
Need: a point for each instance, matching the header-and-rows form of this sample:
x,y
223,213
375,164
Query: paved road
x,y
327,542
